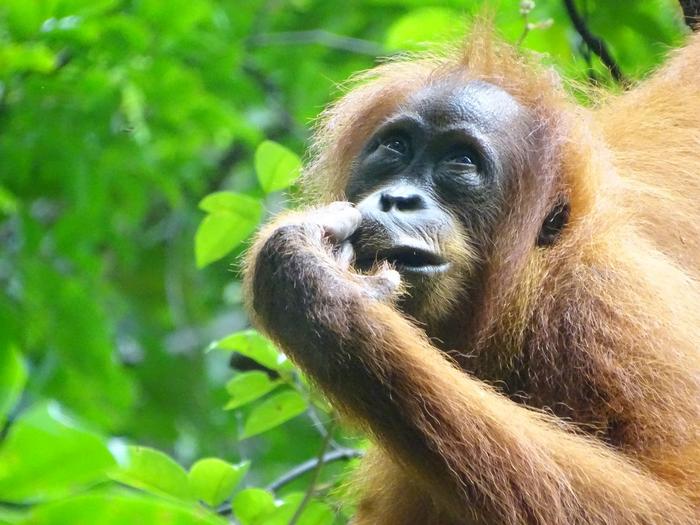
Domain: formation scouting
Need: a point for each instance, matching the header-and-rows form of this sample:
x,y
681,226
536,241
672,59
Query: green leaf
x,y
424,25
219,233
317,513
248,386
252,344
153,471
256,506
133,106
228,201
28,57
232,218
120,508
212,480
273,412
314,513
47,454
8,202
252,506
13,376
276,166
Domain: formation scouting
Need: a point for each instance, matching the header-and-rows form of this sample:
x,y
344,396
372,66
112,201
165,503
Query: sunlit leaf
x,y
219,233
252,344
133,106
237,203
48,454
153,471
245,387
8,202
212,480
424,25
232,218
276,166
13,376
30,57
273,412
314,512
117,508
252,506
317,513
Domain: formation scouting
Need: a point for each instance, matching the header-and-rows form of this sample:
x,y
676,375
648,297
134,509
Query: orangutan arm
x,y
473,447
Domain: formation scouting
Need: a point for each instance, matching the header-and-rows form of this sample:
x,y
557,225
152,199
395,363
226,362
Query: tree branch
x,y
314,476
691,13
593,42
303,468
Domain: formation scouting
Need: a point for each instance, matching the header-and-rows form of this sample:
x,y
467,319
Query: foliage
x,y
116,118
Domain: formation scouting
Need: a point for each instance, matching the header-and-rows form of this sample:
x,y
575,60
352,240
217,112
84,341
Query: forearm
x,y
486,452
492,454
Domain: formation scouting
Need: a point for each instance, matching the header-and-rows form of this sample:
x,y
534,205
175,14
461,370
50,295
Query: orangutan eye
x,y
462,158
396,144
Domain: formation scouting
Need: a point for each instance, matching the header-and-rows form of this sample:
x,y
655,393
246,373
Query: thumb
x,y
384,284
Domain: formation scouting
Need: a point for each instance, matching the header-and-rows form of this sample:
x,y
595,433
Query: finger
x,y
339,220
383,285
338,206
344,255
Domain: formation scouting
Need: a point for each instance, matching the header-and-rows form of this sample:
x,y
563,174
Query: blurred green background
x,y
141,143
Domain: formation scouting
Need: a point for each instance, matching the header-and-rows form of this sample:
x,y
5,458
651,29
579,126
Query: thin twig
x,y
314,476
593,42
526,8
318,424
318,37
691,13
301,469
312,412
521,38
306,466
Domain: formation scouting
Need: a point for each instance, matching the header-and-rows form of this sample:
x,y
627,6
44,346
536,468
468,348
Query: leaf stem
x,y
320,460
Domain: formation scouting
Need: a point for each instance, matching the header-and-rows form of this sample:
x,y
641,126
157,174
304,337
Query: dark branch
x,y
307,466
301,469
593,42
691,13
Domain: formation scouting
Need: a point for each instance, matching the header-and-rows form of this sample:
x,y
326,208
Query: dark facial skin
x,y
430,181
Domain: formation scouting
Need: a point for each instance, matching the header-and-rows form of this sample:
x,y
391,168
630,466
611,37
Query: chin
x,y
432,296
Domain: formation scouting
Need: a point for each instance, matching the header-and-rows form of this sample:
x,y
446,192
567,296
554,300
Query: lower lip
x,y
428,269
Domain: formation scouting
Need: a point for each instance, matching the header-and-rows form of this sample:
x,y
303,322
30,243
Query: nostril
x,y
410,202
386,202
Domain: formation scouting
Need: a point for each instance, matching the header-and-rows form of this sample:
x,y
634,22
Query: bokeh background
x,y
141,143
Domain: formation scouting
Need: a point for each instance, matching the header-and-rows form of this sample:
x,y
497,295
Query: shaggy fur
x,y
564,387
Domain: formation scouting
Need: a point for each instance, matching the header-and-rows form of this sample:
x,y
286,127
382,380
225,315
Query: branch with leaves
x,y
594,43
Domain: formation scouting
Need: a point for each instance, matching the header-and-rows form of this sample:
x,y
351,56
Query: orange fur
x,y
573,395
